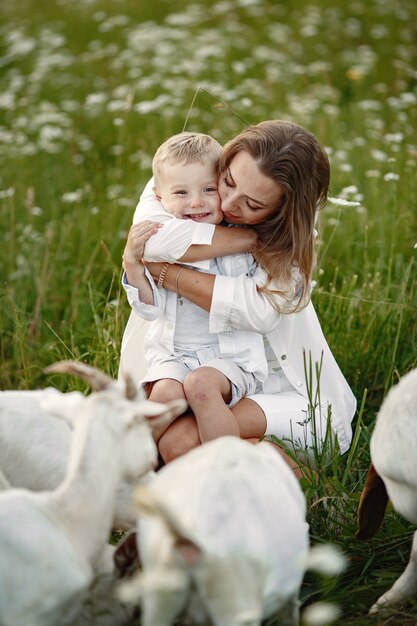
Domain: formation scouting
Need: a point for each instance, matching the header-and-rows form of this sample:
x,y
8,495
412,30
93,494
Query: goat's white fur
x,y
226,539
393,453
51,543
35,443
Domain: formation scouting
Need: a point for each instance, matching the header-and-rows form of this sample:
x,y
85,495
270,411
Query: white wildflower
x,y
373,174
320,614
415,246
72,196
36,210
342,202
95,99
114,191
391,176
7,193
348,191
346,167
378,155
326,559
7,101
394,137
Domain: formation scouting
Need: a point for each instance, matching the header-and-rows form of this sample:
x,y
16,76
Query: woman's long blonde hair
x,y
292,157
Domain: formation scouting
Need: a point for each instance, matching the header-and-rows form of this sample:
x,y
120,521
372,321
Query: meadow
x,y
90,88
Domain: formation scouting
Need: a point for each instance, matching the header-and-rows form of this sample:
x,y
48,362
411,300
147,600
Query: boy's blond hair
x,y
186,148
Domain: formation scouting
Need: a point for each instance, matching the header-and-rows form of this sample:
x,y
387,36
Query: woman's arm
x,y
185,281
234,303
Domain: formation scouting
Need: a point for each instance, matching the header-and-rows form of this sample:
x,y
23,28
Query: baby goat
x,y
394,461
222,538
35,444
51,542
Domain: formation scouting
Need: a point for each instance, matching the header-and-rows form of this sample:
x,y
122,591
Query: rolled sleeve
x,y
175,237
148,312
237,305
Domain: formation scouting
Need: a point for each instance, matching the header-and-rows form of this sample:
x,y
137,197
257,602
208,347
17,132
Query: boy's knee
x,y
197,385
166,390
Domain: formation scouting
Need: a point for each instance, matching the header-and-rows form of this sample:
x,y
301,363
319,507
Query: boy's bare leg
x,y
163,391
207,390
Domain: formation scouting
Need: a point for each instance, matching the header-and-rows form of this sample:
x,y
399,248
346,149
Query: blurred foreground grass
x,y
89,88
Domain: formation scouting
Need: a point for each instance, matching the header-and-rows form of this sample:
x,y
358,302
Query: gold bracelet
x,y
162,275
176,281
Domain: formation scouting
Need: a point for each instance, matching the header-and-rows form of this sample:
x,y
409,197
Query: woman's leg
x,y
252,424
286,420
164,391
180,437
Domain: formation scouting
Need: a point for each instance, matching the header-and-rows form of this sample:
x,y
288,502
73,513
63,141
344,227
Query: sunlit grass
x,y
90,88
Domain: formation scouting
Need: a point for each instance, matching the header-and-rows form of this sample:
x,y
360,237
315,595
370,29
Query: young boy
x,y
183,359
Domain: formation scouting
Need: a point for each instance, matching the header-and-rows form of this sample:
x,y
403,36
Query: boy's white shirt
x,y
238,305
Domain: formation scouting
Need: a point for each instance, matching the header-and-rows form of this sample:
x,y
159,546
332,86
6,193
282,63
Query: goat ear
x,y
166,414
93,376
372,505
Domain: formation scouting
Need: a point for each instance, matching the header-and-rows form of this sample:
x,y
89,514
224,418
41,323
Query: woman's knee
x,y
179,438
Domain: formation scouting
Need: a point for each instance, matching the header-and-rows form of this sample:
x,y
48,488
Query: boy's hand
x,y
135,245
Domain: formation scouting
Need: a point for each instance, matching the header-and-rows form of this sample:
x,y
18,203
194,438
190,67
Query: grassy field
x,y
89,88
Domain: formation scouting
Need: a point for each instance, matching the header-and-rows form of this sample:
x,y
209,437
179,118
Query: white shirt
x,y
295,338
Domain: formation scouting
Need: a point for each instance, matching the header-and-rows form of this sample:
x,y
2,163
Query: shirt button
x,y
283,357
322,404
299,383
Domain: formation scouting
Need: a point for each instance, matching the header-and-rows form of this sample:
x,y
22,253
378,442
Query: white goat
x,y
51,542
222,538
393,453
35,443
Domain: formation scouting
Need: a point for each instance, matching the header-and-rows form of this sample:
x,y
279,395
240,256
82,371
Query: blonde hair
x,y
292,157
186,148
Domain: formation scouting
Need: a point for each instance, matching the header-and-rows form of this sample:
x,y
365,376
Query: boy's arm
x,y
132,260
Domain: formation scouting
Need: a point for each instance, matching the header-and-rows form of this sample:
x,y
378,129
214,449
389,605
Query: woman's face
x,y
247,196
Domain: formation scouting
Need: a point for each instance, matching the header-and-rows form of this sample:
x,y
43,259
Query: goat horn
x,y
130,387
93,376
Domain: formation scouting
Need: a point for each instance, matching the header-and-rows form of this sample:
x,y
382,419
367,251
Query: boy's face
x,y
189,191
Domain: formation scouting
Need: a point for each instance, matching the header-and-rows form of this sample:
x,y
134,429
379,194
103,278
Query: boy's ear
x,y
154,189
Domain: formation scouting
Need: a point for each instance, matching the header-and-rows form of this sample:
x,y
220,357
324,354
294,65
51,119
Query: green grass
x,y
89,89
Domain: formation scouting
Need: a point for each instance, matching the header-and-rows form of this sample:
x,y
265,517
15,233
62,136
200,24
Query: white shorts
x,y
288,417
177,367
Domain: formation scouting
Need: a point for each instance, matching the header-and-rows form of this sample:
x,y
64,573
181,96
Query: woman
x,y
273,177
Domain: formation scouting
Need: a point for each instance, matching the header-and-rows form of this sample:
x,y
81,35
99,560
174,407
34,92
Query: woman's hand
x,y
135,245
